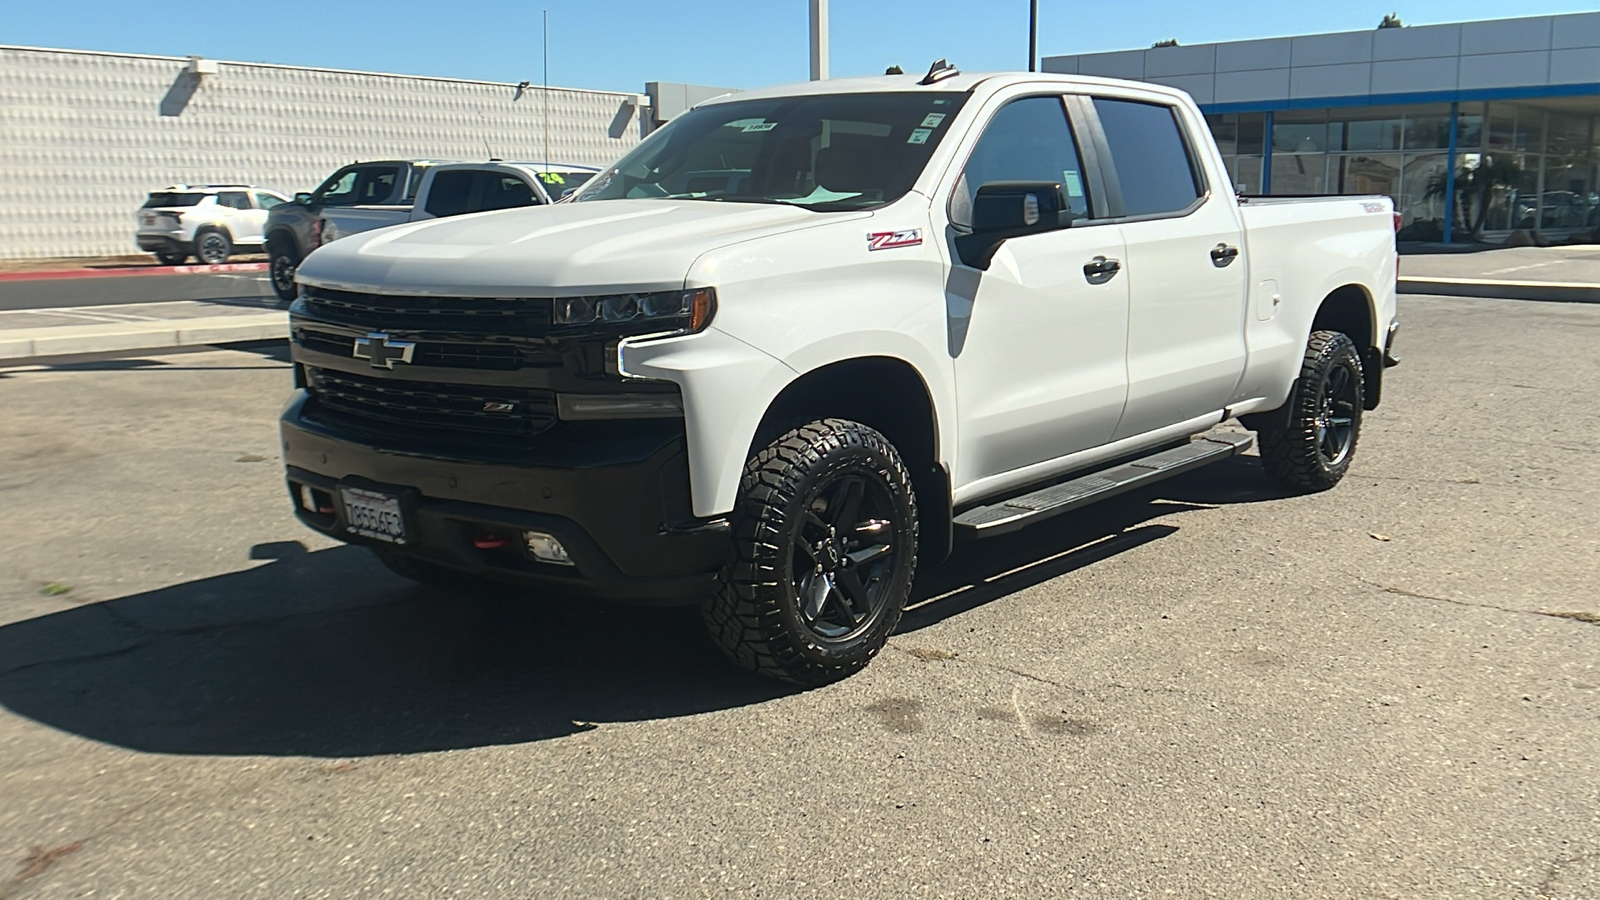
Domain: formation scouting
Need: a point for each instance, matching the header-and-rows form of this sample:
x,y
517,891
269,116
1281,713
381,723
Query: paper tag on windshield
x,y
1074,184
920,136
761,126
932,120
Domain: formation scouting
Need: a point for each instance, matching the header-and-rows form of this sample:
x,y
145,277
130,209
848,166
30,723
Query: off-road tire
x,y
171,257
282,261
758,616
423,572
212,246
1295,441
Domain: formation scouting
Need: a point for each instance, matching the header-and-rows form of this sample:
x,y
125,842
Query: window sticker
x,y
920,136
552,178
933,120
1074,184
760,126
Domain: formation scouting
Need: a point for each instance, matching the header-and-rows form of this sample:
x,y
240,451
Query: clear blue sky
x,y
620,44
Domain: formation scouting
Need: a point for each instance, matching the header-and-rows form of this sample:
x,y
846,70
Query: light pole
x,y
819,40
1033,34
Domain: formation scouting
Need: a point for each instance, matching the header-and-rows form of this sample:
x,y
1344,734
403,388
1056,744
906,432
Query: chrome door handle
x,y
1101,270
1222,255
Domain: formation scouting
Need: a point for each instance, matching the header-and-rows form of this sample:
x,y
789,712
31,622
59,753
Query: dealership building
x,y
1476,128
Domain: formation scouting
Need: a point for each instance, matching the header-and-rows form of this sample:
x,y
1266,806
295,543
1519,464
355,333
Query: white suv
x,y
207,221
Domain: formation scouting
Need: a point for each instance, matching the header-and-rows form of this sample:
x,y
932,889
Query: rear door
x,y
237,213
1187,276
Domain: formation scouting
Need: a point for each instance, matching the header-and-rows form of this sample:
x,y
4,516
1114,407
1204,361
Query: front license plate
x,y
373,514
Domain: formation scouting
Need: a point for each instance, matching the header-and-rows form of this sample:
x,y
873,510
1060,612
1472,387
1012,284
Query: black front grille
x,y
444,354
470,315
421,410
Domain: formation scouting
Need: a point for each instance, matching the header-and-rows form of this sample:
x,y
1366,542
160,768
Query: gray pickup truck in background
x,y
367,195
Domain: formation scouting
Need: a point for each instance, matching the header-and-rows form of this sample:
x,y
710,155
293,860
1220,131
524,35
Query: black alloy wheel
x,y
1336,420
842,558
825,548
282,264
1308,444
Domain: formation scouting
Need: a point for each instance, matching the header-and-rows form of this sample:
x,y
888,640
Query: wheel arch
x,y
899,405
282,233
1351,310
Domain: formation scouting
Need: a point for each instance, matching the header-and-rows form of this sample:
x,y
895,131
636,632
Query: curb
x,y
61,340
224,268
1552,291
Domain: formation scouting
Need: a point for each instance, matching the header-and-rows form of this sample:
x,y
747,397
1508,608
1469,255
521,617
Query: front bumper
x,y
615,494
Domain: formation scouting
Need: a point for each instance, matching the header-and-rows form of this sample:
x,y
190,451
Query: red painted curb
x,y
140,270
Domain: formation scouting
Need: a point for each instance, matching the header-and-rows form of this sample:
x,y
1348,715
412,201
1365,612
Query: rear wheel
x,y
283,261
826,541
212,246
1308,445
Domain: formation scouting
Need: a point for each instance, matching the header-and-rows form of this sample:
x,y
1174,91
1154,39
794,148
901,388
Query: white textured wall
x,y
84,136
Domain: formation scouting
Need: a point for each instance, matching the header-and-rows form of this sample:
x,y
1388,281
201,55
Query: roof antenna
x,y
939,71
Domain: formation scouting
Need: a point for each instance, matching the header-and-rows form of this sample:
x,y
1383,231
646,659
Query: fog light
x,y
545,548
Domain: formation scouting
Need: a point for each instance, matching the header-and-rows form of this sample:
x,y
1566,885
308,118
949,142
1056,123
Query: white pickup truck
x,y
367,195
801,337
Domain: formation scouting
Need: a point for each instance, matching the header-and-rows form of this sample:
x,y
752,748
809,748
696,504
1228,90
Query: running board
x,y
1009,515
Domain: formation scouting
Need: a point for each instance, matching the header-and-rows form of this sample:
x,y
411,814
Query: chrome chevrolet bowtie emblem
x,y
382,352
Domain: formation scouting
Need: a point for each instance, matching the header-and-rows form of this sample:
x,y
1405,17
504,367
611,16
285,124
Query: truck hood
x,y
568,248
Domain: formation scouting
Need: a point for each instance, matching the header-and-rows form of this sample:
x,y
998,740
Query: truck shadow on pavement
x,y
326,654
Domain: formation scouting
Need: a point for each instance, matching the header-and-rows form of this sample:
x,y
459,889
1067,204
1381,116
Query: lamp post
x,y
1033,35
819,40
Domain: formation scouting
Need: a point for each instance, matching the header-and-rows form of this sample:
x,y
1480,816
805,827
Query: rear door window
x,y
1152,161
451,192
234,199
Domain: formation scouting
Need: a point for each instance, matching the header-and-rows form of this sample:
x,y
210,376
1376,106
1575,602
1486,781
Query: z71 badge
x,y
888,240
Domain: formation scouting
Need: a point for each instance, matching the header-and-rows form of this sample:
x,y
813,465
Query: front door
x,y
1038,340
1187,275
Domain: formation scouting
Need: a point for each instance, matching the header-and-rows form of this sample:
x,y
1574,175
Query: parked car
x,y
207,221
370,195
803,337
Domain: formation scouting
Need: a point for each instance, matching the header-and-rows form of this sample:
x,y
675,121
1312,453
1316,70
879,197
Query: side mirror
x,y
1007,209
303,198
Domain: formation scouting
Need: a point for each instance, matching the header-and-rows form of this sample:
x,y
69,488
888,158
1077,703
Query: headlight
x,y
688,310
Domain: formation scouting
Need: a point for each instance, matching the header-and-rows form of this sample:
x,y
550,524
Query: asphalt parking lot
x,y
1209,689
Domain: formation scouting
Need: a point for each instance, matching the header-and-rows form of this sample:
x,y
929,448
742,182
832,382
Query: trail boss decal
x,y
888,240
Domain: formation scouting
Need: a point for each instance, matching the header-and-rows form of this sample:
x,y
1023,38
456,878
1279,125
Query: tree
x,y
1169,42
1475,188
1392,20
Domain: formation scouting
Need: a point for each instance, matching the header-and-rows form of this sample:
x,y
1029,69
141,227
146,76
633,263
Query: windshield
x,y
172,198
825,152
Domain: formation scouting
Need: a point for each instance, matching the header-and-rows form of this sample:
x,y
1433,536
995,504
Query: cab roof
x,y
958,83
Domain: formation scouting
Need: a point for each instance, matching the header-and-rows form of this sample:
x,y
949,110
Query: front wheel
x,y
282,263
1308,445
826,541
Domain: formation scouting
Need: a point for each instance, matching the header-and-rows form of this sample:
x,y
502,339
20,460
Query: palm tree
x,y
1475,187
